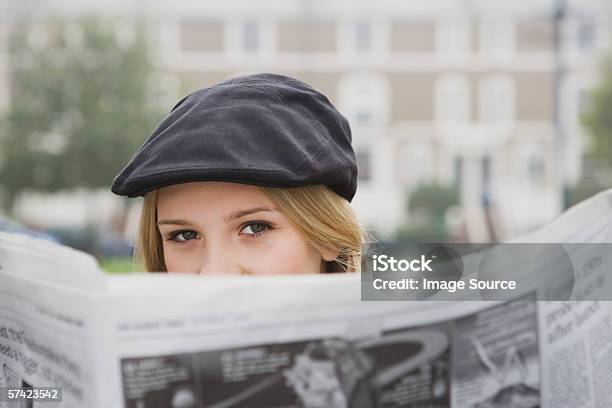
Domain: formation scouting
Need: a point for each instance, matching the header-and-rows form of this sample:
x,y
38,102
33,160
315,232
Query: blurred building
x,y
452,92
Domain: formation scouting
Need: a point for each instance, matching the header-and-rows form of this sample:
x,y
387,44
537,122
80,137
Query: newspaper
x,y
167,340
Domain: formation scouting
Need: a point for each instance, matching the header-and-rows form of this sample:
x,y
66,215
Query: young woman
x,y
250,176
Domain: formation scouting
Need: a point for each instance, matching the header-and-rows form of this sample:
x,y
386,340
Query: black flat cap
x,y
265,129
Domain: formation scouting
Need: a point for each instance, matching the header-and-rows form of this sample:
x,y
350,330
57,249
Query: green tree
x,y
80,105
433,200
428,204
598,118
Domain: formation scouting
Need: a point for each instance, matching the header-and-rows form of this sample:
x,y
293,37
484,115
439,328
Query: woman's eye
x,y
184,236
254,228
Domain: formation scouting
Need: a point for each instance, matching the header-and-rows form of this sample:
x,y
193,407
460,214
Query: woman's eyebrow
x,y
243,213
173,222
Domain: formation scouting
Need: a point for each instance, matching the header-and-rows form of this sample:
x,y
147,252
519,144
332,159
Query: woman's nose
x,y
218,260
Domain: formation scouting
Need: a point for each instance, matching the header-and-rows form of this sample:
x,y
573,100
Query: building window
x,y
364,165
586,34
363,117
496,38
485,165
249,39
453,38
363,36
535,170
452,100
364,98
497,100
419,163
250,36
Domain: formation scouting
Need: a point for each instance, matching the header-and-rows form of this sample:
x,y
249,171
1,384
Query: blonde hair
x,y
324,219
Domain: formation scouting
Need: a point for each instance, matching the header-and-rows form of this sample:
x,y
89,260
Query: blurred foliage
x,y
81,104
421,233
584,190
598,118
427,204
433,199
119,265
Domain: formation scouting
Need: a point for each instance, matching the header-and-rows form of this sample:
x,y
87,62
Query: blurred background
x,y
473,121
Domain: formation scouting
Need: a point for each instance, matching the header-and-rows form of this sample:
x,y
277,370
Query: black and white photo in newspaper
x,y
496,358
401,368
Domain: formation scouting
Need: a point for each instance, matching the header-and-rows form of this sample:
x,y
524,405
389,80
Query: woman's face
x,y
231,229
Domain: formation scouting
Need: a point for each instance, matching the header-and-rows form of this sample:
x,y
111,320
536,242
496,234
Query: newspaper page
x,y
347,354
47,321
331,351
309,342
577,335
236,344
168,340
567,265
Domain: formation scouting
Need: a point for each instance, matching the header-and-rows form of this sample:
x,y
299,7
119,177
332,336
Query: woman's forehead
x,y
210,196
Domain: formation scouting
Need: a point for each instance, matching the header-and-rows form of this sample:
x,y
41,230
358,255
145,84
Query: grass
x,y
119,265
